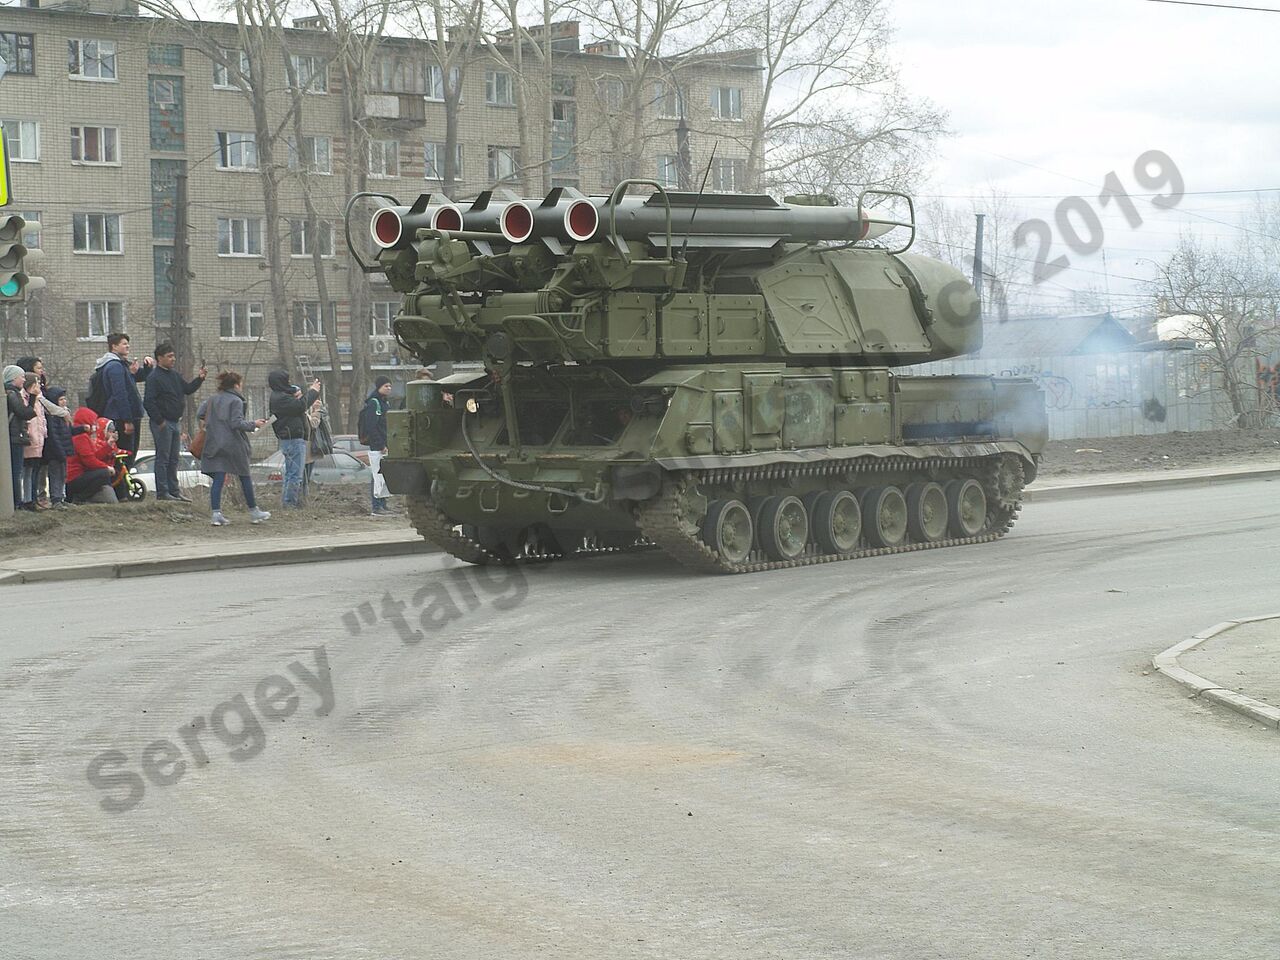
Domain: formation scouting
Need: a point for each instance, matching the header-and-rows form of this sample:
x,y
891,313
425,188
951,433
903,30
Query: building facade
x,y
103,112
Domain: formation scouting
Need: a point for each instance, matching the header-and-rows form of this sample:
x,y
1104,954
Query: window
x,y
435,81
164,91
96,233
729,176
316,155
726,103
237,151
31,235
312,72
91,59
384,311
433,161
235,66
384,158
23,138
96,318
239,237
611,91
21,321
307,320
95,145
564,85
669,170
240,321
497,88
393,73
670,101
503,163
301,243
19,52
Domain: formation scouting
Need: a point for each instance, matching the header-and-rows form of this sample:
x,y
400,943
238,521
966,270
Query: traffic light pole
x,y
6,478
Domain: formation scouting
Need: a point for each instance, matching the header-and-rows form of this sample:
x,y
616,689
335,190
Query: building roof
x,y
1054,336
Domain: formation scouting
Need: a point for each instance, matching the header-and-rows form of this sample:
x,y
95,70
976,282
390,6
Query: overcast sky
x,y
1047,98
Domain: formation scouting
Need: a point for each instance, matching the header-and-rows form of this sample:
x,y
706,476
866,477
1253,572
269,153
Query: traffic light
x,y
15,259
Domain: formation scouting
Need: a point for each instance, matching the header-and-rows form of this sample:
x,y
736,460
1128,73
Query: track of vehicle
x,y
670,522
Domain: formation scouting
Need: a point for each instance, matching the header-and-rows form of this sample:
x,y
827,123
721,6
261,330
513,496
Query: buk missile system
x,y
710,375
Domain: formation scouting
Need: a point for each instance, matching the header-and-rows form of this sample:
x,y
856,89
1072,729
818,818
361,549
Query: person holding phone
x,y
226,447
289,405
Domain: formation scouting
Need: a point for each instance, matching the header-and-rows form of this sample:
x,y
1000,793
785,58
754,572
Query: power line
x,y
1216,6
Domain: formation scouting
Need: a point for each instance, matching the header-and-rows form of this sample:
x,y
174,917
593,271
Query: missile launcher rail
x,y
710,375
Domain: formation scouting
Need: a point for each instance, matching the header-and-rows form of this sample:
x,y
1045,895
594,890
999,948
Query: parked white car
x,y
189,475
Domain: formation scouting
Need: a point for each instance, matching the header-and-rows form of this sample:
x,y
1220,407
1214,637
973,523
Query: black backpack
x,y
97,397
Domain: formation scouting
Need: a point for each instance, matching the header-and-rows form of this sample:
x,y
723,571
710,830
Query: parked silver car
x,y
336,468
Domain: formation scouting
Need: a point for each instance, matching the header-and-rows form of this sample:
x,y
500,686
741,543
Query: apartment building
x,y
104,109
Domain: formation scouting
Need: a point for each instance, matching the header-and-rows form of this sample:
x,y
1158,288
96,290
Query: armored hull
x,y
732,402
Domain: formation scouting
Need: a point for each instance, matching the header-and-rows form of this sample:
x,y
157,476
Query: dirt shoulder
x,y
339,511
1167,451
96,527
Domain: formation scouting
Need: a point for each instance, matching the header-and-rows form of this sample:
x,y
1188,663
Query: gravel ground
x,y
1168,451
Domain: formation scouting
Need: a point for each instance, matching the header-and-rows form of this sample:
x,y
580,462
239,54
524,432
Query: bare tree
x,y
256,38
835,115
1227,302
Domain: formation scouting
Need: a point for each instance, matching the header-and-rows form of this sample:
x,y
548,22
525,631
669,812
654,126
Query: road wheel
x,y
968,506
927,512
884,516
728,530
784,528
836,520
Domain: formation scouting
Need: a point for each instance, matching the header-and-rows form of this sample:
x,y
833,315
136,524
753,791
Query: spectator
x,y
36,365
289,406
91,468
20,415
33,453
119,379
373,434
58,448
226,445
319,441
165,403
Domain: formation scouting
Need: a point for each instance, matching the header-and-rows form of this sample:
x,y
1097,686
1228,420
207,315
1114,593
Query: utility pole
x,y
180,316
977,260
683,157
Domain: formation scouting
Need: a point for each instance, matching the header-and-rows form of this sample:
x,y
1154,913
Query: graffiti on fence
x,y
1058,391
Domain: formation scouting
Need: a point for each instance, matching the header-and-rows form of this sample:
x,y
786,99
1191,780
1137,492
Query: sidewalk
x,y
1235,664
1062,488
153,560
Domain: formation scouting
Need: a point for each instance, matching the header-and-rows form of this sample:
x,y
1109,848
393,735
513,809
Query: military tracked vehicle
x,y
710,375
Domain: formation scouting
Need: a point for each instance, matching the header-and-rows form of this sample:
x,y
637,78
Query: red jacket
x,y
92,452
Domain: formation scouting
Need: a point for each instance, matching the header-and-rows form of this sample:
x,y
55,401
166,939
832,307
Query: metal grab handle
x,y
346,227
911,209
616,197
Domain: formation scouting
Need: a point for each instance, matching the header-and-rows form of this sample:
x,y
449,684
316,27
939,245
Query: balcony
x,y
409,109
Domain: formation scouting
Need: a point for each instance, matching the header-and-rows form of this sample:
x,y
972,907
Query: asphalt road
x,y
952,754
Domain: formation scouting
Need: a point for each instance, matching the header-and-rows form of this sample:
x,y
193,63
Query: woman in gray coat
x,y
226,445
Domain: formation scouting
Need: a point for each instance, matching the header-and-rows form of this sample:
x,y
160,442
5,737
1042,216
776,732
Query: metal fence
x,y
1115,394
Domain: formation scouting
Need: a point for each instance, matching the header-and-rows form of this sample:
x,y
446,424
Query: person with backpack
x,y
20,412
165,402
289,405
113,390
373,434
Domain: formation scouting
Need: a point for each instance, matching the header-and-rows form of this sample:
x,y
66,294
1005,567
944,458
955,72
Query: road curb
x,y
1078,490
1167,664
221,561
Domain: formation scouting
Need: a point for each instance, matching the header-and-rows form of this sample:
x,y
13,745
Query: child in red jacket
x,y
90,471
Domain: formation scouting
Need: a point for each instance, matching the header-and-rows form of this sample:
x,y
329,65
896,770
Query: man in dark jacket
x,y
119,379
288,406
165,402
373,433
